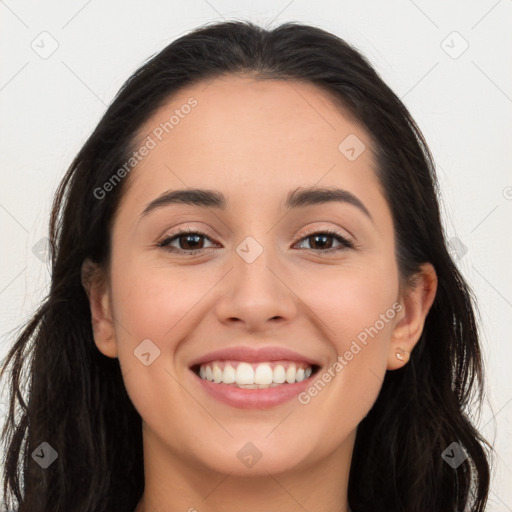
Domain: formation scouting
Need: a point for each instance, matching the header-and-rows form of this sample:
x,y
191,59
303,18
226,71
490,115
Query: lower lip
x,y
253,398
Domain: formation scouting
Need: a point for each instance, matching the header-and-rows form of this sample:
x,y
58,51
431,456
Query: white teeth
x,y
263,374
217,373
279,375
290,374
229,375
244,374
254,375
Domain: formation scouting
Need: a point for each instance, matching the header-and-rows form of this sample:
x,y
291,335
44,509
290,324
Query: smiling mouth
x,y
249,375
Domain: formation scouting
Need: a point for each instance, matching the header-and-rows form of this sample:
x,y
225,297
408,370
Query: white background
x,y
462,103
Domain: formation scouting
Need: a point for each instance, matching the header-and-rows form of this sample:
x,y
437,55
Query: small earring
x,y
401,356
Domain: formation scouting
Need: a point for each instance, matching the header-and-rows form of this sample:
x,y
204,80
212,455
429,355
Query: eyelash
x,y
165,243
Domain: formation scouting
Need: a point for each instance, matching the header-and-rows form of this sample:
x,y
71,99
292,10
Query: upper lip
x,y
254,355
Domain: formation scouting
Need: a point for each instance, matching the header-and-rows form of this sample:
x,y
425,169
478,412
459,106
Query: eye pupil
x,y
322,244
187,237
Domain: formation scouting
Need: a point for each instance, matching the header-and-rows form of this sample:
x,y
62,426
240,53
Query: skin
x,y
254,141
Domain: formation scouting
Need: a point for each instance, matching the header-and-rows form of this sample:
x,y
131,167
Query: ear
x,y
416,299
95,284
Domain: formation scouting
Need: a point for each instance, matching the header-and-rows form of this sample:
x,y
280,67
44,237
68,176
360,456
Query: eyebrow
x,y
298,198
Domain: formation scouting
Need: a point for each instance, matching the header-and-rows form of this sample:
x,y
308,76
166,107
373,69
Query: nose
x,y
256,294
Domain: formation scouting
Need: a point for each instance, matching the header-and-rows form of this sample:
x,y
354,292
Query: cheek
x,y
357,308
151,300
353,302
154,311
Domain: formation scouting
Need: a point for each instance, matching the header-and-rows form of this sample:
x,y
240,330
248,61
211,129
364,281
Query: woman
x,y
268,369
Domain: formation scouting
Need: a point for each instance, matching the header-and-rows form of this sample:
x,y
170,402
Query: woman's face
x,y
258,279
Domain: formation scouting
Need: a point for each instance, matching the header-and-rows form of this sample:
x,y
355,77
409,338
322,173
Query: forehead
x,y
252,138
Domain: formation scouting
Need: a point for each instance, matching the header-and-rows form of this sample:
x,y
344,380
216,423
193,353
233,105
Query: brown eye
x,y
188,241
321,241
